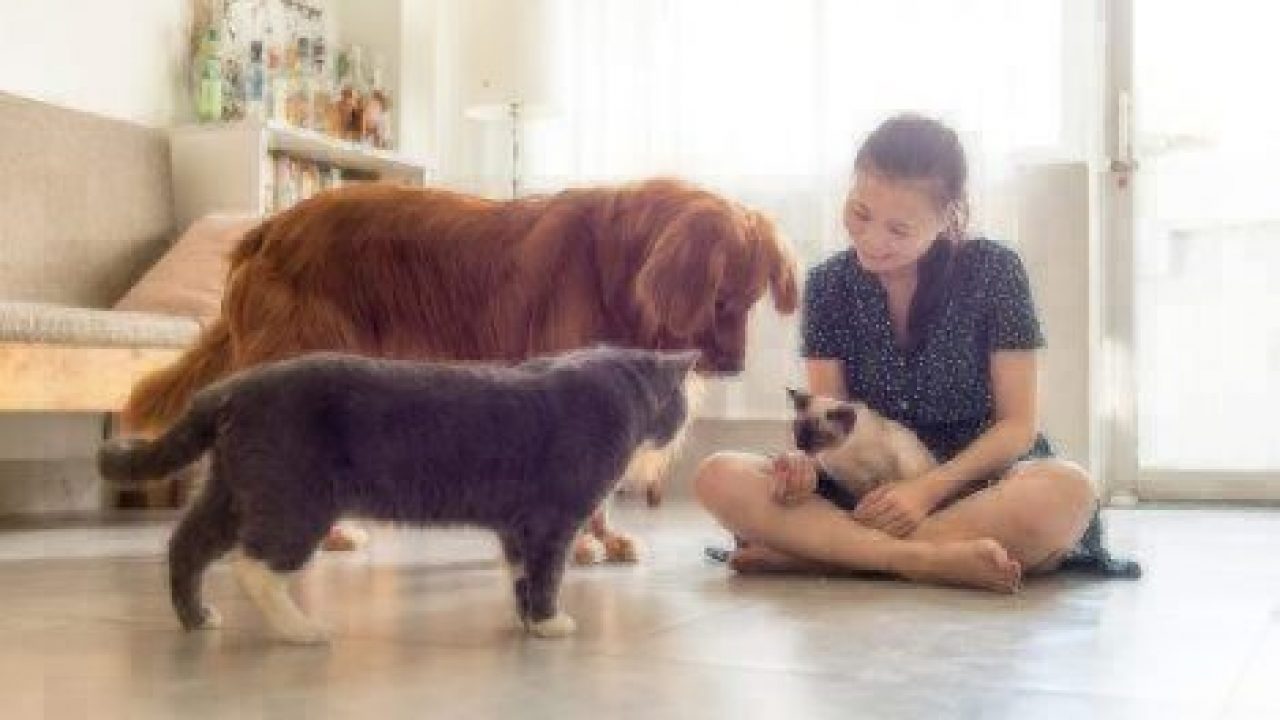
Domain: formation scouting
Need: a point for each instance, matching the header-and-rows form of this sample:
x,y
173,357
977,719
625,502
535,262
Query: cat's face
x,y
670,373
820,422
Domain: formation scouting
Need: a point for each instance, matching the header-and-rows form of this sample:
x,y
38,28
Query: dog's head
x,y
820,422
707,261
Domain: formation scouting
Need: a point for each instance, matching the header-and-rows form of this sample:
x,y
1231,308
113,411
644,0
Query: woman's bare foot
x,y
757,559
982,563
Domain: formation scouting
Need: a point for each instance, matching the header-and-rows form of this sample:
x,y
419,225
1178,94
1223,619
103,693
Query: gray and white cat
x,y
858,447
526,451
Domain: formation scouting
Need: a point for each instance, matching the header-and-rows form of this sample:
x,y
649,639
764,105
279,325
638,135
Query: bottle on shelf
x,y
376,129
209,78
278,85
359,94
320,92
299,72
255,84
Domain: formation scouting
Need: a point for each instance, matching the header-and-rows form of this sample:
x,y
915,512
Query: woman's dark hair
x,y
914,148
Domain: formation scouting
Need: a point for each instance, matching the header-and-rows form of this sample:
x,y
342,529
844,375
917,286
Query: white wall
x,y
120,59
414,106
1057,241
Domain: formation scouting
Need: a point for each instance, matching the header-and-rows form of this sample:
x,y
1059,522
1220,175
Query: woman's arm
x,y
1013,430
899,508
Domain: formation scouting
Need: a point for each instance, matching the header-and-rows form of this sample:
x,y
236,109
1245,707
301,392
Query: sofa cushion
x,y
189,278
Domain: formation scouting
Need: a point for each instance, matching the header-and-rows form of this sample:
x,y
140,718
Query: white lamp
x,y
507,65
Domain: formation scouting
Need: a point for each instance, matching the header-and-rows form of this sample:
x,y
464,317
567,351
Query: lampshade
x,y
507,54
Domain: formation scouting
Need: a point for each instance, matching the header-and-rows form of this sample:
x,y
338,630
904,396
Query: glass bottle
x,y
299,71
209,80
321,92
377,109
359,95
255,84
278,86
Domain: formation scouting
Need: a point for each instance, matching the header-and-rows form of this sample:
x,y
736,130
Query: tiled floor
x,y
423,628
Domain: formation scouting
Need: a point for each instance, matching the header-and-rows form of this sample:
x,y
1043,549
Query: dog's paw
x,y
557,626
588,550
309,633
619,548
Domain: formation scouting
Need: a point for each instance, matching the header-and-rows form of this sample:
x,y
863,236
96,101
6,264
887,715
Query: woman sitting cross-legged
x,y
936,329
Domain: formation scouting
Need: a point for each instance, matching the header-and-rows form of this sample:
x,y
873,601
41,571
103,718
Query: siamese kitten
x,y
527,451
858,447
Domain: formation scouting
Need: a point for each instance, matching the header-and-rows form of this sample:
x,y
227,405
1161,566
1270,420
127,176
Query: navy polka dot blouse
x,y
941,389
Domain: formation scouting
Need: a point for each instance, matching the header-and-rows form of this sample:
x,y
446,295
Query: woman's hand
x,y
897,509
795,477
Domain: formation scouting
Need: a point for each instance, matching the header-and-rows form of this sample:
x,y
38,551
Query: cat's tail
x,y
133,459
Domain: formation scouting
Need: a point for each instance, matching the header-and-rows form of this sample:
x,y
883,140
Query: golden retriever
x,y
433,274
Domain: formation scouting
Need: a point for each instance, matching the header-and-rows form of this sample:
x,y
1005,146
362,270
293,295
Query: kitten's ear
x,y
845,415
681,362
799,399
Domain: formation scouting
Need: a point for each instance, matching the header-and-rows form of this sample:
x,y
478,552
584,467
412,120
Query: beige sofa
x,y
85,210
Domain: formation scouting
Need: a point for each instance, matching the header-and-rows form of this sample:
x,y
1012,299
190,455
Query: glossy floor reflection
x,y
423,627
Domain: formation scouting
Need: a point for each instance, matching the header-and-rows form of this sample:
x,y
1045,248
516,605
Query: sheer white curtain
x,y
766,100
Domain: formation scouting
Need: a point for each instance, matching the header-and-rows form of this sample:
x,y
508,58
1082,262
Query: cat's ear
x,y
845,415
799,399
681,362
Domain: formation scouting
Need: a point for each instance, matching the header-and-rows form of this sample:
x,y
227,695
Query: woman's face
x,y
892,223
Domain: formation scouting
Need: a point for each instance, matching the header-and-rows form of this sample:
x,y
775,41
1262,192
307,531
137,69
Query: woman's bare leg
x,y
1038,511
736,488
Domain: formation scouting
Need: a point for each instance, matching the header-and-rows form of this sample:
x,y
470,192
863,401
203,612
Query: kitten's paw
x,y
557,626
211,619
588,550
345,537
621,548
309,633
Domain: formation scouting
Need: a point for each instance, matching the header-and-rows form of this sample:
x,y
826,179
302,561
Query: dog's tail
x,y
158,399
130,460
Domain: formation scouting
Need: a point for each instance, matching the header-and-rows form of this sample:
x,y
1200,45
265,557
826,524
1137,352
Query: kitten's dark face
x,y
820,422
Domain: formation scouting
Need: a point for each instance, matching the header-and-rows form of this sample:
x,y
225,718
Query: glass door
x,y
1196,167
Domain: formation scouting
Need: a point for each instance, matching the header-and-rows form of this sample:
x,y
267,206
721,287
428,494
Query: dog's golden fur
x,y
433,274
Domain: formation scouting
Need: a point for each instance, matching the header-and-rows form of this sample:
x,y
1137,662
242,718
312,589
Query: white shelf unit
x,y
224,167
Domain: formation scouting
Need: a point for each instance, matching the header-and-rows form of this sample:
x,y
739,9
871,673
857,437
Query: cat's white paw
x,y
310,633
557,626
588,550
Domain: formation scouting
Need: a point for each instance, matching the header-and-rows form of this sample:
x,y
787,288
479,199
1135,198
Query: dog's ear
x,y
845,415
776,252
800,399
677,285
